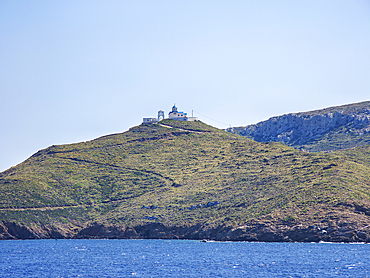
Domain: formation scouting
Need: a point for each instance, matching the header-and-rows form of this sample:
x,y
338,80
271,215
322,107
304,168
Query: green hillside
x,y
187,180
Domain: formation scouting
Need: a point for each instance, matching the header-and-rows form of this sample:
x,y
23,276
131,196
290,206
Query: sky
x,y
72,71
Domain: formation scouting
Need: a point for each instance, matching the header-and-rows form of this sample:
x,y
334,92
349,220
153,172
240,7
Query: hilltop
x,y
187,180
333,128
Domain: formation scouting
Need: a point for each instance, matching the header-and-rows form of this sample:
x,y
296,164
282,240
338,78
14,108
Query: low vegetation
x,y
185,175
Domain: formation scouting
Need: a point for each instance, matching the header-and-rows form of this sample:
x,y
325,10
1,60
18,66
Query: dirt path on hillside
x,y
188,130
42,208
62,207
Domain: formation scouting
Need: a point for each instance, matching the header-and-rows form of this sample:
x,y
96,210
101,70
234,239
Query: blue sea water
x,y
181,258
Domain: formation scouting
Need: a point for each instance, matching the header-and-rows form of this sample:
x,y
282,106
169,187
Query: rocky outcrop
x,y
13,230
300,129
254,230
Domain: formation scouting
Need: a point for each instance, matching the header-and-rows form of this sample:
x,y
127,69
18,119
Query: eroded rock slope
x,y
328,129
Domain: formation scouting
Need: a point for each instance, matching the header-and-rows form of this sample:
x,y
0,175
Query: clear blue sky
x,y
72,71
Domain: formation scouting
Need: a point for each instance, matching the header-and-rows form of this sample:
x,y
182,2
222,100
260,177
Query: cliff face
x,y
265,230
322,130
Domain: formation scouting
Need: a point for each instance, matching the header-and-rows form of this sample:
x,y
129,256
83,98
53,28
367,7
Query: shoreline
x,y
251,232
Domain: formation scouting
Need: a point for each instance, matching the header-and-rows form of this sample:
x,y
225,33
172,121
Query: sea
x,y
181,258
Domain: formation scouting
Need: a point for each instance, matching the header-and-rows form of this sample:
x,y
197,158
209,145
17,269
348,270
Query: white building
x,y
150,120
179,116
173,115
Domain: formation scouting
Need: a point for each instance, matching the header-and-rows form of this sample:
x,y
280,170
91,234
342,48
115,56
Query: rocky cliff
x,y
332,128
263,229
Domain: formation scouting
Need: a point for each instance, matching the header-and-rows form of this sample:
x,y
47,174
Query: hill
x,y
187,180
333,128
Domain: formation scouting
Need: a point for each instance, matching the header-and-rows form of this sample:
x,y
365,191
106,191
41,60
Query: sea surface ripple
x,y
181,258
